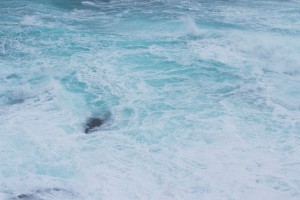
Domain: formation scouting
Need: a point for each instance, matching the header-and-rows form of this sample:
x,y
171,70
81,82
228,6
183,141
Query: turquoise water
x,y
202,99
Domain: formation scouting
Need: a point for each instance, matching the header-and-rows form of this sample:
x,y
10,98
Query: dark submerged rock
x,y
13,97
13,76
92,124
40,194
27,197
15,101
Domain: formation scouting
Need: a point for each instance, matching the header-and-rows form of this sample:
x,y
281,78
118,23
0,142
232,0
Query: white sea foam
x,y
31,20
88,3
202,107
190,26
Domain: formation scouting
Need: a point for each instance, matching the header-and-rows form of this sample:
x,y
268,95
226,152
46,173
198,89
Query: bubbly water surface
x,y
201,99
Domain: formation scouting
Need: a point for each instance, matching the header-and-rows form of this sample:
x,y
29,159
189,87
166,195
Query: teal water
x,y
202,99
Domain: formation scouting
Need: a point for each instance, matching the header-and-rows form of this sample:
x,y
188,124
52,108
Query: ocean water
x,y
201,99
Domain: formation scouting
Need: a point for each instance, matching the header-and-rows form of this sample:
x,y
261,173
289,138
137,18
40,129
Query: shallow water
x,y
201,99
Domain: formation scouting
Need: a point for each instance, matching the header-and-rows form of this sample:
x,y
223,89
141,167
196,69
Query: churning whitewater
x,y
149,100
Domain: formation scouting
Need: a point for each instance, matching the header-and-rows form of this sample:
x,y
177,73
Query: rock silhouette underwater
x,y
27,197
43,194
92,124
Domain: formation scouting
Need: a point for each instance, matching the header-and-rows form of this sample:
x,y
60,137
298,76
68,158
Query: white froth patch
x,y
190,27
31,20
177,132
242,49
88,3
